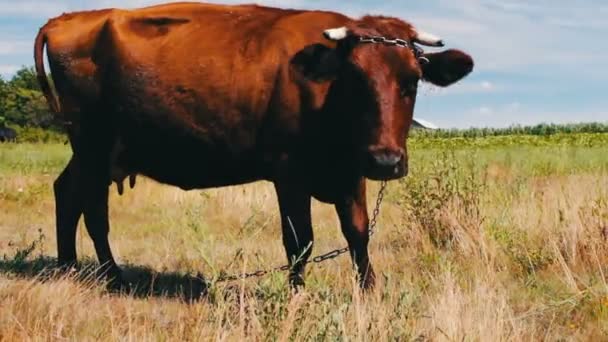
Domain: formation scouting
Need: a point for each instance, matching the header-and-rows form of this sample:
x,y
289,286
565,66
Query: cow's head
x,y
374,84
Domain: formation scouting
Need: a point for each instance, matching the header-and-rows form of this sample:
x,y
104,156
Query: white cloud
x,y
510,35
124,4
513,106
487,85
14,47
444,26
515,113
31,8
485,111
47,9
7,70
463,87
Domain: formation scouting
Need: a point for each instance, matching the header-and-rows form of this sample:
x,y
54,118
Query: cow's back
x,y
207,82
223,58
229,55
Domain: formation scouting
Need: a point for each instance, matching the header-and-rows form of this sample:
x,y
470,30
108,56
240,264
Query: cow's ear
x,y
445,68
317,62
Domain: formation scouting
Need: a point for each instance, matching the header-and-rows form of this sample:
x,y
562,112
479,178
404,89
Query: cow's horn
x,y
336,33
428,39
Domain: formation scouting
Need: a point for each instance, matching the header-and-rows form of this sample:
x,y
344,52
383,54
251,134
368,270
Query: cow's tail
x,y
43,80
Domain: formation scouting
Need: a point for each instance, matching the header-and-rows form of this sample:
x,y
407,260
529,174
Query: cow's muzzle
x,y
386,164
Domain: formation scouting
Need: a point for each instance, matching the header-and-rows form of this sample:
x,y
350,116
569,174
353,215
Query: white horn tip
x,y
336,33
429,39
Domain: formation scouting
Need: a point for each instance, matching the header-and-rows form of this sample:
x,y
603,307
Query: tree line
x,y
543,129
22,104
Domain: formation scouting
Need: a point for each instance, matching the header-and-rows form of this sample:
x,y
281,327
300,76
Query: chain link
x,y
418,52
376,212
319,258
383,40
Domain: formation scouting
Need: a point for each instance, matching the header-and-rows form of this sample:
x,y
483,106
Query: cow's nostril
x,y
387,159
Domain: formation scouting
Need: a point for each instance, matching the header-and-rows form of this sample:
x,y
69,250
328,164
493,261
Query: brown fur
x,y
201,95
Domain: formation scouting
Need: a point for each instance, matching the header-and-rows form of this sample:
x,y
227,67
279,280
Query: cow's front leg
x,y
352,211
294,204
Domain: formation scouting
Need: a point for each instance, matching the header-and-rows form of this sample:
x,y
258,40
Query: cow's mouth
x,y
380,172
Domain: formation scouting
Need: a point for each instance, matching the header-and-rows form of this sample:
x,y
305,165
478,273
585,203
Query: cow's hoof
x,y
368,281
296,283
114,279
67,267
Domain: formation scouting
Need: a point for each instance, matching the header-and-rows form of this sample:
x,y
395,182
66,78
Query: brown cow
x,y
202,95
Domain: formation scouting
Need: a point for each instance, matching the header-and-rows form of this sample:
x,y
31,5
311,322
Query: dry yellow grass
x,y
511,253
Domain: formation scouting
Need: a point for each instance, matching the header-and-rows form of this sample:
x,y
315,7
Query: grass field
x,y
488,239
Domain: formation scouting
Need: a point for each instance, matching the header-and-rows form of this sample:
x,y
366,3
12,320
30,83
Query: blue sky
x,y
536,61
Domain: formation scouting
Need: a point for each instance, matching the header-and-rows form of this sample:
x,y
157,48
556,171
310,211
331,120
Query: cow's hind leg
x,y
82,188
68,209
352,211
296,224
95,208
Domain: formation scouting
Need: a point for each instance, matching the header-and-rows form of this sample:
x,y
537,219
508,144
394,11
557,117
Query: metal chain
x,y
383,40
392,42
319,258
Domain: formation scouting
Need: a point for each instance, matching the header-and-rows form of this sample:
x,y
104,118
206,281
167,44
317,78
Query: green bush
x,y
23,104
30,134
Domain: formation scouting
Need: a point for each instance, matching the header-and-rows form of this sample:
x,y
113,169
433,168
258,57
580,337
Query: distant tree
x,y
22,103
3,95
26,107
26,78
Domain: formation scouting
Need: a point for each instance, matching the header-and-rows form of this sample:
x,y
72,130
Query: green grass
x,y
26,158
488,238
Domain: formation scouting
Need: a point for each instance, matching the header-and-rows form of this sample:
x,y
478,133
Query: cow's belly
x,y
188,173
190,162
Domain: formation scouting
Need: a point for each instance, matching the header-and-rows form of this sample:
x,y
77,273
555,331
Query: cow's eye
x,y
409,89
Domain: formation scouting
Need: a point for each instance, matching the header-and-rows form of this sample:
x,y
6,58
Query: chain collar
x,y
418,51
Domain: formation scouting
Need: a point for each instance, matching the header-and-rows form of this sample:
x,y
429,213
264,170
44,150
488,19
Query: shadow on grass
x,y
137,281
